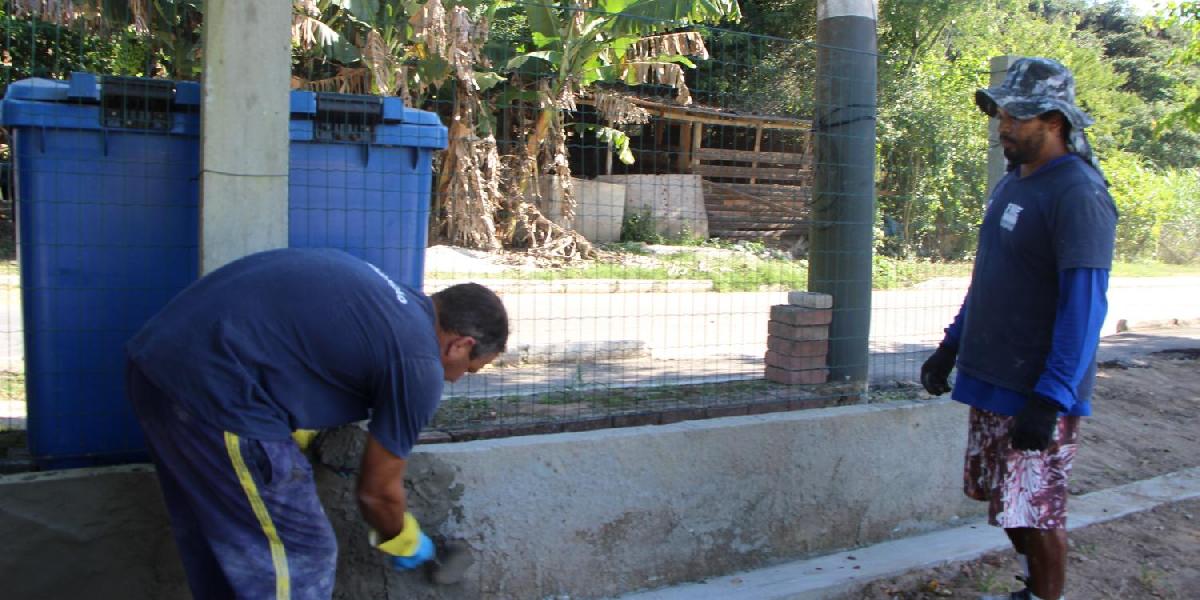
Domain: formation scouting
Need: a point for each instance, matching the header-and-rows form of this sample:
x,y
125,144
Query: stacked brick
x,y
798,339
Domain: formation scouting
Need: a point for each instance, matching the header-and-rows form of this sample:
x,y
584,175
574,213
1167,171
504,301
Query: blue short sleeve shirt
x,y
1035,227
298,339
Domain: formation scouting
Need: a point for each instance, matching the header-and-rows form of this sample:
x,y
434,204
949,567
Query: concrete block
x,y
810,299
797,347
675,202
807,377
795,363
599,208
798,333
799,315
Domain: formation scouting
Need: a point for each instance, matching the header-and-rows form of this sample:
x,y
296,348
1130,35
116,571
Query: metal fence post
x,y
840,262
997,165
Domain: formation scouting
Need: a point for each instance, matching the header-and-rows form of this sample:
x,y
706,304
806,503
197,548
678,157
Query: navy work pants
x,y
244,512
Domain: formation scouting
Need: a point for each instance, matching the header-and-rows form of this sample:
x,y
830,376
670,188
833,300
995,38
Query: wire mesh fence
x,y
641,189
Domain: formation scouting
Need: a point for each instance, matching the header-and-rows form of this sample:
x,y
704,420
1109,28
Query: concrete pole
x,y
843,211
997,164
244,134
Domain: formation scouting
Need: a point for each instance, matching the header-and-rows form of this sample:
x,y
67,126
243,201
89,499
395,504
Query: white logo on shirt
x,y
1011,213
395,288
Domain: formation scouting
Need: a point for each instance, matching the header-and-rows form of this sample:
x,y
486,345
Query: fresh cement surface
x,y
841,572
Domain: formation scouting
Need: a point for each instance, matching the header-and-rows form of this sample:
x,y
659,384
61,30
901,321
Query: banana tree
x,y
616,41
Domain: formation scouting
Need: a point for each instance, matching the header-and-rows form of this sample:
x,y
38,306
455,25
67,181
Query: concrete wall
x,y
583,515
594,514
87,533
599,208
675,202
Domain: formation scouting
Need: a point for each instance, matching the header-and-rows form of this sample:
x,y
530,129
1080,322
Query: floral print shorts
x,y
1022,488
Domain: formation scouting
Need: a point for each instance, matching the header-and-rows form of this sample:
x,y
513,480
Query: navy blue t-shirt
x,y
298,339
1060,217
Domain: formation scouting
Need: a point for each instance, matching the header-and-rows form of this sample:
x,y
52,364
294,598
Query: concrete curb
x,y
846,572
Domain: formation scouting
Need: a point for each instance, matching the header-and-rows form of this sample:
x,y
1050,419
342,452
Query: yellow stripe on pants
x,y
283,584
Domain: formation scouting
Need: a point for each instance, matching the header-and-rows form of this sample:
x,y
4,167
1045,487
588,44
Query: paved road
x,y
695,337
678,325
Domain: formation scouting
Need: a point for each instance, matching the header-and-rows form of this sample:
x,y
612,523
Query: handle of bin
x,y
137,87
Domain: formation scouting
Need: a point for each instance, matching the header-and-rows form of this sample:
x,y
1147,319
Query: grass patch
x,y
1152,269
750,267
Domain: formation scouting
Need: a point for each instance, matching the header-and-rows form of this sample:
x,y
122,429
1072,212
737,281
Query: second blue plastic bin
x,y
359,179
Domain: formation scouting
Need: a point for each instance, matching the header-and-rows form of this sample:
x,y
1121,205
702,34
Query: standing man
x,y
1026,336
277,342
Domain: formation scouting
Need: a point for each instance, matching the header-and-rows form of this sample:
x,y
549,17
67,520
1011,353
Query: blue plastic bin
x,y
106,185
360,177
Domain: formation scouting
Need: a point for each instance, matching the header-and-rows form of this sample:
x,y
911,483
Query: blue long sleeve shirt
x,y
1079,316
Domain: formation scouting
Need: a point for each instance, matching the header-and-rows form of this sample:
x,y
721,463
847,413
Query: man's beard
x,y
1021,152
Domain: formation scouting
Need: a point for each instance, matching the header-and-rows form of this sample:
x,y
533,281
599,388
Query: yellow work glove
x,y
409,549
304,438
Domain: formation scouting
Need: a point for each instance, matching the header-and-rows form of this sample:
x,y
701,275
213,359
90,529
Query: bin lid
x,y
82,87
76,103
391,123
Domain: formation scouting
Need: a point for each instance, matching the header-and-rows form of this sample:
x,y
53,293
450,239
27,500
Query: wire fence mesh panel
x,y
645,186
636,189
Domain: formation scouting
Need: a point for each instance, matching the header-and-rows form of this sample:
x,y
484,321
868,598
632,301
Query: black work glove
x,y
1033,427
935,373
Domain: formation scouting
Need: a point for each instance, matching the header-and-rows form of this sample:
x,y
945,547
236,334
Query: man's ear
x,y
460,347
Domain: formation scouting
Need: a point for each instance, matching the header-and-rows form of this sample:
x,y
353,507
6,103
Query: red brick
x,y
809,377
771,406
797,348
799,315
534,429
795,363
588,424
675,415
715,412
798,333
637,420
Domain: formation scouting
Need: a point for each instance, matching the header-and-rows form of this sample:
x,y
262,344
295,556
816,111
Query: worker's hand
x,y
1033,427
408,550
935,373
425,551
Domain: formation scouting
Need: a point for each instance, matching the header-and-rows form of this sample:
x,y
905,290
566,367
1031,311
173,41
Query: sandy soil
x,y
1147,423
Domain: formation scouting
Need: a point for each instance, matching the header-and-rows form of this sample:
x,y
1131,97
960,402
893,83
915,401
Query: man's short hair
x,y
473,310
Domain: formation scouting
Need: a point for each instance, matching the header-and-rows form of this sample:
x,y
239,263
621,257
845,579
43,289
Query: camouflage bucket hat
x,y
1035,86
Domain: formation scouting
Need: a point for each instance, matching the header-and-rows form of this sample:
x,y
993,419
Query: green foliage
x,y
35,48
639,227
1185,15
1159,210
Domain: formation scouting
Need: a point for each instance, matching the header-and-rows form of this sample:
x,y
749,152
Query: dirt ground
x,y
1146,423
